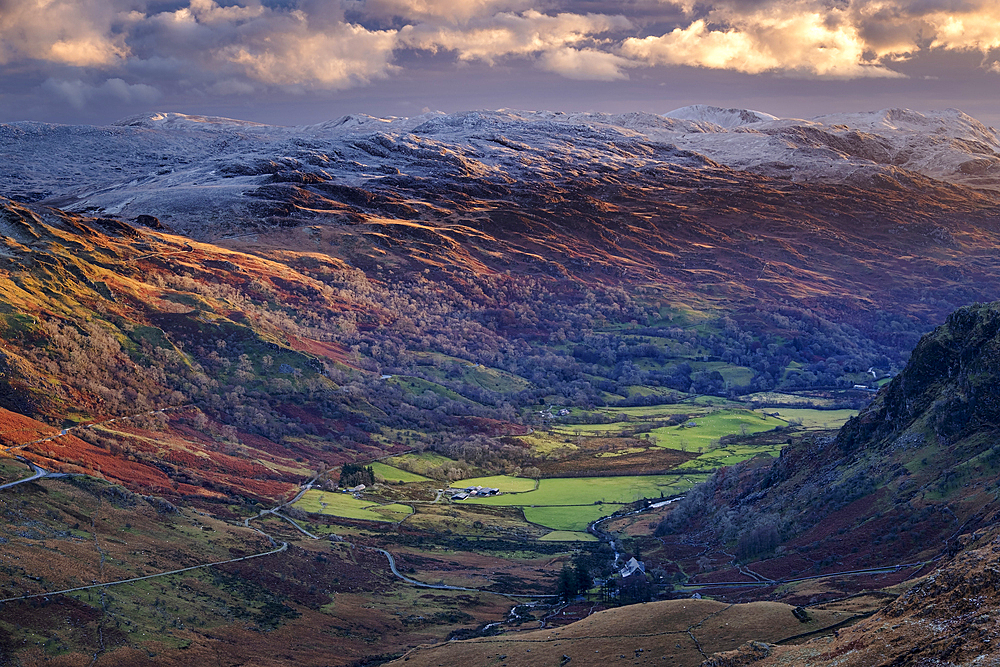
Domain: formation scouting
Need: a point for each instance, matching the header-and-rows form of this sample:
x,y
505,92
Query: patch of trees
x,y
574,579
353,474
758,541
631,590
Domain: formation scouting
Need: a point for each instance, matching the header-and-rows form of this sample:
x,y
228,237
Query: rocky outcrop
x,y
747,654
950,384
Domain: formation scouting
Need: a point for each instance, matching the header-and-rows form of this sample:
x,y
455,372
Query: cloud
x,y
257,44
976,29
530,33
72,32
794,39
585,64
79,95
448,11
238,47
291,52
842,39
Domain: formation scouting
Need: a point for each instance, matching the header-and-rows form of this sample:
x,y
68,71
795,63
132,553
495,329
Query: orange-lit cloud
x,y
239,47
775,39
71,32
332,57
450,11
585,64
813,38
510,34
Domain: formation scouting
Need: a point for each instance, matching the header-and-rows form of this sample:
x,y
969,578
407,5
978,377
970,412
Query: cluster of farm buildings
x,y
473,492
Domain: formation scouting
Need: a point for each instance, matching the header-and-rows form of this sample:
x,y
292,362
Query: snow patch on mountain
x,y
727,118
207,175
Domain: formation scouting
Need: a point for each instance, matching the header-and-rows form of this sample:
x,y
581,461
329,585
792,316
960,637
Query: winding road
x,y
40,473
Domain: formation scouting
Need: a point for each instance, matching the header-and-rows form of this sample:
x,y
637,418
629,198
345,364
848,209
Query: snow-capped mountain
x,y
205,175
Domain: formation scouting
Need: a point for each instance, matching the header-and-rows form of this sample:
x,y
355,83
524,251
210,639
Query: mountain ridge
x,y
167,154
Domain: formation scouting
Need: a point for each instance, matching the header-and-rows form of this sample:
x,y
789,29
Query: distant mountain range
x,y
206,175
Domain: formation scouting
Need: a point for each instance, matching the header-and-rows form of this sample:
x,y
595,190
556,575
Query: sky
x,y
295,62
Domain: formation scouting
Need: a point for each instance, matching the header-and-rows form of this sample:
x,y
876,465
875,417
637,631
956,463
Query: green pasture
x,y
621,452
657,411
493,379
573,518
777,398
392,474
591,429
418,386
684,316
505,483
705,399
712,426
727,456
542,443
347,506
813,418
734,375
591,490
419,463
640,390
567,536
792,369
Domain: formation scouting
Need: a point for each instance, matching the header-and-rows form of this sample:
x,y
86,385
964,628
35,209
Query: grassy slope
x,y
391,474
652,634
348,507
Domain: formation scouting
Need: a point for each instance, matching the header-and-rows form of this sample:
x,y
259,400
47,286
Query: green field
x,y
734,375
418,386
622,452
493,379
640,390
347,506
391,474
567,536
505,483
812,418
657,411
712,426
592,490
727,456
574,518
777,398
419,463
590,429
541,442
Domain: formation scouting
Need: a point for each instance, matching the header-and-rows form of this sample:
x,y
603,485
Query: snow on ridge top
x,y
726,118
363,123
949,122
174,119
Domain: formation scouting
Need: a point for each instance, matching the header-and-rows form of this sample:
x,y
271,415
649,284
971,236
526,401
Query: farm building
x,y
631,567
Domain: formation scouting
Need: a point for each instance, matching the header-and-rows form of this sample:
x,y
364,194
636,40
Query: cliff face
x,y
948,393
903,482
950,385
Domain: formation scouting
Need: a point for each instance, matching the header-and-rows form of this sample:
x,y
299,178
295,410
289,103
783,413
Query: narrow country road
x,y
39,473
283,547
66,430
